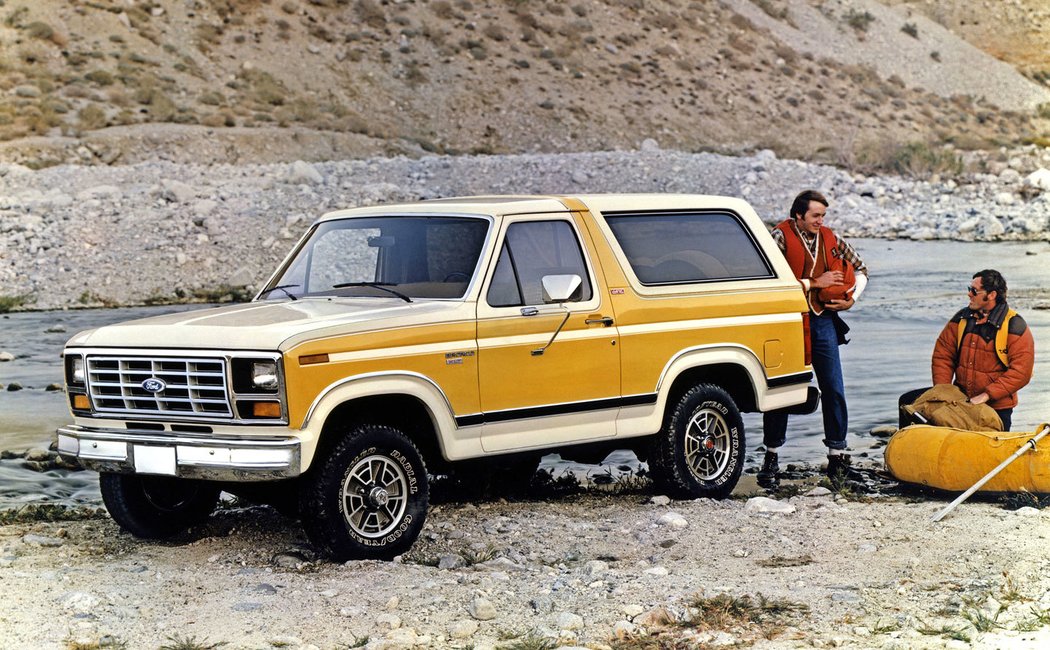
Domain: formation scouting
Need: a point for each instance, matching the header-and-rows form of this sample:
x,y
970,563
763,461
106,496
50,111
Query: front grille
x,y
192,387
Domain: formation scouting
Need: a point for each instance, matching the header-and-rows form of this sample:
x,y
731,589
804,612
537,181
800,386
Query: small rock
x,y
51,388
650,146
765,505
1027,511
595,568
632,610
481,609
624,629
463,629
884,431
657,571
393,603
388,621
672,519
41,540
569,621
55,329
303,172
1039,178
660,500
818,492
6,356
286,640
14,386
449,561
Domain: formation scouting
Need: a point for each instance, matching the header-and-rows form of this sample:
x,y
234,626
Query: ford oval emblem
x,y
153,385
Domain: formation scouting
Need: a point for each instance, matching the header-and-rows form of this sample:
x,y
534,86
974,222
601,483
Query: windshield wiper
x,y
382,286
283,288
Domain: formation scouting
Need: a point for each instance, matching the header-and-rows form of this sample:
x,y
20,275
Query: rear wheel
x,y
700,451
367,498
156,507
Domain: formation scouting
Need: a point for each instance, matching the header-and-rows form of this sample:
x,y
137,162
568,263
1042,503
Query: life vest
x,y
1001,337
805,266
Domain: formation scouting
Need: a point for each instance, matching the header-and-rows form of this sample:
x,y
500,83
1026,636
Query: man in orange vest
x,y
986,349
833,277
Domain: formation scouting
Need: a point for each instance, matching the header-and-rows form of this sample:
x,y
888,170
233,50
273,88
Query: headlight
x,y
264,375
75,374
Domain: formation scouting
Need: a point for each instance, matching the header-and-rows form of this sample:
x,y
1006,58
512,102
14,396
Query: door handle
x,y
607,321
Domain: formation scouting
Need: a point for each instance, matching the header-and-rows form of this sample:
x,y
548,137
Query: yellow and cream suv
x,y
452,336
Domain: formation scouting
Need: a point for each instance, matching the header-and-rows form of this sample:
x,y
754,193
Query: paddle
x,y
1029,444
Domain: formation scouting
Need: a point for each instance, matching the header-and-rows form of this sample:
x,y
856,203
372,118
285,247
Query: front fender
x,y
454,442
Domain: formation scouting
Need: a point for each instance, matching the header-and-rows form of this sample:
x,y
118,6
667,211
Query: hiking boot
x,y
767,476
838,467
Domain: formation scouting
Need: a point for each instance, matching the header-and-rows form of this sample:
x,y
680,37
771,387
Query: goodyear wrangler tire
x,y
156,507
700,450
367,499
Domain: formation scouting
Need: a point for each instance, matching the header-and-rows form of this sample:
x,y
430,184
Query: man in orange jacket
x,y
986,349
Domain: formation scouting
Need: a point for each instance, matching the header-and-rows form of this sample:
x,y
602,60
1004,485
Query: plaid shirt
x,y
847,252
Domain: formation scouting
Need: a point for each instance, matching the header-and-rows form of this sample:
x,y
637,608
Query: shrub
x,y
859,20
91,117
99,77
7,303
919,160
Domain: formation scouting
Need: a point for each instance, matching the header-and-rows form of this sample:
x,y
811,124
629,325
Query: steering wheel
x,y
456,276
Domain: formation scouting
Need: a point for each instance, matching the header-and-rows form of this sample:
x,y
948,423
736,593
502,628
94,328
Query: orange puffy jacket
x,y
973,364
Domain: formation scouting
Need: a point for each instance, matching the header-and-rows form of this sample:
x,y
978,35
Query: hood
x,y
267,325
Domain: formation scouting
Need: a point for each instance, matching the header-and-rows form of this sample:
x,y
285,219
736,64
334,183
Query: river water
x,y
913,289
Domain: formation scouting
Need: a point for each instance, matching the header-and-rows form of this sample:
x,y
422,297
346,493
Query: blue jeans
x,y
828,368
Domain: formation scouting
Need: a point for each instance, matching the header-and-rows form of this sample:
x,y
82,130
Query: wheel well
x,y
731,377
406,413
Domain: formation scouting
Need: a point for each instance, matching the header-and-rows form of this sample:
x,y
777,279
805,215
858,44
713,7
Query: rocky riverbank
x,y
633,570
74,236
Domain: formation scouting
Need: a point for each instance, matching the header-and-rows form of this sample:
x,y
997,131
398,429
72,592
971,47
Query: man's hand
x,y
979,398
839,305
826,279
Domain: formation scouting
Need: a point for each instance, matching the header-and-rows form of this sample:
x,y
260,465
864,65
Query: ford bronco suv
x,y
455,336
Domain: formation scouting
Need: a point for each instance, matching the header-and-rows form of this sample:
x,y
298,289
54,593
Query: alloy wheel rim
x,y
374,496
707,444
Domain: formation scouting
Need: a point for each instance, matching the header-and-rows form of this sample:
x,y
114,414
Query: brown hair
x,y
801,203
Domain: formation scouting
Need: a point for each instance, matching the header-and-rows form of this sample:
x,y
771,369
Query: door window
x,y
531,250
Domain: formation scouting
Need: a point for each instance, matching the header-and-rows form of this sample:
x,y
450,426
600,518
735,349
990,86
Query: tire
x,y
157,507
367,499
700,450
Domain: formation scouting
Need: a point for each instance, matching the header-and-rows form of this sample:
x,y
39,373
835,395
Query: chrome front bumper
x,y
212,458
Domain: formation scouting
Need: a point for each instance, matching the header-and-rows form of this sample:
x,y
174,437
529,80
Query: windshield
x,y
402,257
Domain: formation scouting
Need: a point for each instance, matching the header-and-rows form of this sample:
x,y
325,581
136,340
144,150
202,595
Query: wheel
x,y
367,498
700,450
156,507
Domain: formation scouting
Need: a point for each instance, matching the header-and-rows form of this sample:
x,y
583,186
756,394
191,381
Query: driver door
x,y
541,385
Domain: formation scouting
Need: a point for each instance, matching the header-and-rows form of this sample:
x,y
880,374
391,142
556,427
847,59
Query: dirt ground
x,y
631,570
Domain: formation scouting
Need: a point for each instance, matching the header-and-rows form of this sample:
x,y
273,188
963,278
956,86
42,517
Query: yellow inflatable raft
x,y
953,459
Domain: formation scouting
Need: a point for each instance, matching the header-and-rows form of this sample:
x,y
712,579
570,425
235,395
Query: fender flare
x,y
709,355
377,384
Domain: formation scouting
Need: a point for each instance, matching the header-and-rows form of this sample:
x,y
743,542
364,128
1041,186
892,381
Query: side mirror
x,y
561,288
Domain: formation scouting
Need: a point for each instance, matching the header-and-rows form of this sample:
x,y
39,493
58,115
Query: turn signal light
x,y
81,402
309,359
266,409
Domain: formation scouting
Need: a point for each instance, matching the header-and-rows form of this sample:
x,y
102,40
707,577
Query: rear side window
x,y
531,250
681,247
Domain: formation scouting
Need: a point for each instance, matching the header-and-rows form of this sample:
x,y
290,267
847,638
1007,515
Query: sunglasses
x,y
974,292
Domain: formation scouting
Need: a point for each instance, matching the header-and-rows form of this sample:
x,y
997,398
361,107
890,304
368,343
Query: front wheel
x,y
700,450
367,498
156,507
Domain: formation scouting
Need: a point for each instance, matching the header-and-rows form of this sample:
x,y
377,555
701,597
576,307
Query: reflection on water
x,y
915,287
